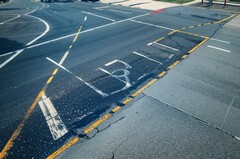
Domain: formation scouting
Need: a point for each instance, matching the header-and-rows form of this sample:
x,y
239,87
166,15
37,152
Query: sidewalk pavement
x,y
143,4
192,112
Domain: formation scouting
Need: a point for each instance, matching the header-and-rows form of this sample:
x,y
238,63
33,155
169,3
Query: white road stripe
x,y
79,78
105,71
158,26
20,51
217,48
101,8
227,42
98,16
114,10
167,46
18,15
55,124
85,31
147,57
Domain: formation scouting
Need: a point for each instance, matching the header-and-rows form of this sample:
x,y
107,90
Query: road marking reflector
x,y
95,124
63,148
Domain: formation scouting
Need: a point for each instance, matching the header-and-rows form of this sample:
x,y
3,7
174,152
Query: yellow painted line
x,y
50,80
75,38
173,32
98,122
144,87
70,46
191,27
193,49
10,142
116,109
16,133
159,39
173,65
162,74
55,72
127,100
184,56
63,148
207,23
192,34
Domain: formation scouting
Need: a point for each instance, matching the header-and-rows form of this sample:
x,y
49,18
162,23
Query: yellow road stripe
x,y
50,80
70,46
144,87
75,38
94,125
191,27
55,71
116,109
127,100
193,49
162,74
173,32
16,133
173,65
63,148
9,144
184,56
159,39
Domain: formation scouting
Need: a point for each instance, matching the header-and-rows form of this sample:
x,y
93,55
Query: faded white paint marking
x,y
167,46
85,31
218,48
101,8
79,78
157,26
18,15
98,16
55,124
114,10
105,71
147,57
20,51
227,42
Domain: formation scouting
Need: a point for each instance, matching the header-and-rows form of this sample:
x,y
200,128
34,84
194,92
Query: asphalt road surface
x,y
64,64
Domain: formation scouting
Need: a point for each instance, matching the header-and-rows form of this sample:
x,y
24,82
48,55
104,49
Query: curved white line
x,y
18,15
20,51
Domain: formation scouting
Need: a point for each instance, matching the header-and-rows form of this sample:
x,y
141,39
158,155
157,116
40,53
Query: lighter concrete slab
x,y
206,85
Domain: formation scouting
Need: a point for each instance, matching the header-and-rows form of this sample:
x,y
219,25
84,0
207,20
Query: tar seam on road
x,y
140,90
16,133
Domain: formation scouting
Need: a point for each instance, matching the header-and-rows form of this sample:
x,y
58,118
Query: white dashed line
x,y
147,57
157,26
98,16
114,10
220,40
217,48
167,46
